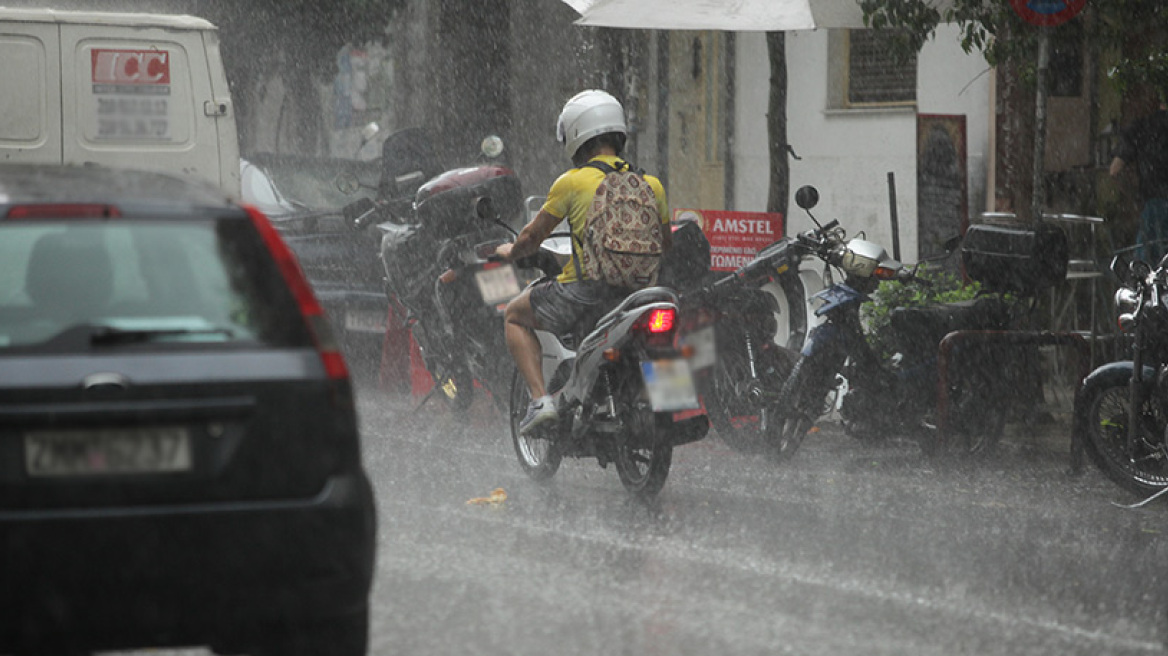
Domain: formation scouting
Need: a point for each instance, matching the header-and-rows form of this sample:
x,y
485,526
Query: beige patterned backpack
x,y
621,242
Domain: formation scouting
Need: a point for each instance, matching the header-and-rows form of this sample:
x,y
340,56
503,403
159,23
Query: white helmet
x,y
586,115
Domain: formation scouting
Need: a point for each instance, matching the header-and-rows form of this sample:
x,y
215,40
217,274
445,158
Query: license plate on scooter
x,y
704,349
670,385
497,285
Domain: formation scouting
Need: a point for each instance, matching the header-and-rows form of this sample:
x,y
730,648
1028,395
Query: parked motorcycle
x,y
437,229
897,394
730,320
1121,409
618,382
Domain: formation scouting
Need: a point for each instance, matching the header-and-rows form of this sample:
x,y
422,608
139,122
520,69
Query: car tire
x,y
345,635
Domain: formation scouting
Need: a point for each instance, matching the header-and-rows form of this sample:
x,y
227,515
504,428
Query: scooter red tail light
x,y
659,321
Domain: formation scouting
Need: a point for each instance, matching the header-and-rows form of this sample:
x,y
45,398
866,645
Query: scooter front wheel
x,y
538,455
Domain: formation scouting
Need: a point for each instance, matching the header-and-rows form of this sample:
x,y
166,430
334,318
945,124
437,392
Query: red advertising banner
x,y
734,237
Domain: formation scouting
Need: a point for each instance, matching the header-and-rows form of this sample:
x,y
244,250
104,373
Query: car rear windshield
x,y
140,283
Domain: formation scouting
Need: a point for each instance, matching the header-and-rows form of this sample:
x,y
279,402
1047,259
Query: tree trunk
x,y
780,183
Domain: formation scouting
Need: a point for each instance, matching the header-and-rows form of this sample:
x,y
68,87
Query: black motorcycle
x,y
730,321
1121,409
897,394
436,232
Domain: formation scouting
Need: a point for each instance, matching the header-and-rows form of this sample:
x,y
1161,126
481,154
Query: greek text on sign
x,y
131,89
735,237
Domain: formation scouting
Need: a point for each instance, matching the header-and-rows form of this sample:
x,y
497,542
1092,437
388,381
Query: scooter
x,y
619,383
435,228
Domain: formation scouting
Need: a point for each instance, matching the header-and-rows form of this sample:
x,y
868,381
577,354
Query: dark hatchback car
x,y
179,452
301,197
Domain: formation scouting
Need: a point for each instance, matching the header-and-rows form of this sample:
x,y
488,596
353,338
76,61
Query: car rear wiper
x,y
107,335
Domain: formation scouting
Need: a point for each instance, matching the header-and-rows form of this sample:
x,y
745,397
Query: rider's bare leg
x,y
519,325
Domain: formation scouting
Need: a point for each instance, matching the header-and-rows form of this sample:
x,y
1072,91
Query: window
x,y
875,74
867,73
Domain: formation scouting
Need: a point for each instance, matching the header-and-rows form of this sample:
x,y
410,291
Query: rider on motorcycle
x,y
591,127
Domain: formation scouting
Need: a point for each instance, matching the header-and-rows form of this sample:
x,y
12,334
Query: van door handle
x,y
216,107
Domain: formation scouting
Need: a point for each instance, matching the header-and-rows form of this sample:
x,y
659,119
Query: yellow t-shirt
x,y
571,195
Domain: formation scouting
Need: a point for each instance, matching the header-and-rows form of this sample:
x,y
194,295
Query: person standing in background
x,y
1145,144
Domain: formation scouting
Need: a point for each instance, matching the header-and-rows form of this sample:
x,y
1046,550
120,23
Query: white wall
x,y
847,154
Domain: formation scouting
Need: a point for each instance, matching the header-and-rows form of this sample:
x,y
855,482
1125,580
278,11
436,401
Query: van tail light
x,y
63,211
310,309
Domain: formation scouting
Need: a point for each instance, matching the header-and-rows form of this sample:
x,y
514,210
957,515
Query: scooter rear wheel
x,y
538,454
643,454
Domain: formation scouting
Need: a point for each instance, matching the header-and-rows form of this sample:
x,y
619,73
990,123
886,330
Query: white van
x,y
144,91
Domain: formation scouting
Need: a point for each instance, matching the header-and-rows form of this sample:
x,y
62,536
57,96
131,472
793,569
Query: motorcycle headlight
x,y
856,264
1126,300
861,257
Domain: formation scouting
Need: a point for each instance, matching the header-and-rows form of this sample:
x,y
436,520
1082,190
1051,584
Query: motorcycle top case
x,y
1015,257
446,204
688,262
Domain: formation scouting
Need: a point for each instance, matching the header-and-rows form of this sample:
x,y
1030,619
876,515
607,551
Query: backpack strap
x,y
603,167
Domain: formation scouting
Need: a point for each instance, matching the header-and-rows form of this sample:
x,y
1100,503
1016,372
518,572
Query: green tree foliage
x,y
1131,27
941,286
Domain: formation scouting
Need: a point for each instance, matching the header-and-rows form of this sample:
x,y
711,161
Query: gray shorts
x,y
558,307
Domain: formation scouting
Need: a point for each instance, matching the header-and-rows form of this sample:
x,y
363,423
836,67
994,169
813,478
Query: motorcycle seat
x,y
637,299
929,324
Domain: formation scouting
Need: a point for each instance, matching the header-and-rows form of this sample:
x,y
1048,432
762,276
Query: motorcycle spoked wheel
x,y
539,457
643,453
739,420
1106,432
803,392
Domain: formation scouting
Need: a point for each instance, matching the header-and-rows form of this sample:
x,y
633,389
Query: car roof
x,y
136,19
131,191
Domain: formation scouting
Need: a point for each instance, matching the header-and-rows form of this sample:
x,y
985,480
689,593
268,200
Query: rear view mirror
x,y
952,244
807,197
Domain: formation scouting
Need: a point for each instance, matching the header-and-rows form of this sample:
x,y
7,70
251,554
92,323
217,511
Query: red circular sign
x,y
1048,12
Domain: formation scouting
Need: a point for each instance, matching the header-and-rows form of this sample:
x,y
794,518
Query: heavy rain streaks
x,y
850,546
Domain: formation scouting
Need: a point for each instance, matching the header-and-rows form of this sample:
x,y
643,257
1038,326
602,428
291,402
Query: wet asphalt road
x,y
852,548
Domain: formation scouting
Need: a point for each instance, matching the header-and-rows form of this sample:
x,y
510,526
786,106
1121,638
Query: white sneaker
x,y
540,411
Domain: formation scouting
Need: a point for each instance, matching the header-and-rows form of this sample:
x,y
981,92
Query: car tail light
x,y
63,211
310,309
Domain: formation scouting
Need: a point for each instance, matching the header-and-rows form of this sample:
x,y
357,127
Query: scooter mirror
x,y
492,146
807,197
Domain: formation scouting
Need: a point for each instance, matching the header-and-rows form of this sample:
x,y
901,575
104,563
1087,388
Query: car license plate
x,y
365,321
670,385
107,451
705,352
497,285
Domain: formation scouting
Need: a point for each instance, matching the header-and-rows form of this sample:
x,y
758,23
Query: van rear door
x,y
30,105
136,97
